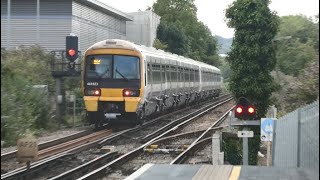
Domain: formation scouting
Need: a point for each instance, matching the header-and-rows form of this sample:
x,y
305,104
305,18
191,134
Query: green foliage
x,y
294,54
297,91
309,90
174,37
159,45
252,56
183,34
225,69
23,107
254,146
232,150
298,62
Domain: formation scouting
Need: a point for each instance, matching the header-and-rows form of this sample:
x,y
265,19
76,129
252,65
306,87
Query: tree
x,y
183,34
174,36
294,54
252,56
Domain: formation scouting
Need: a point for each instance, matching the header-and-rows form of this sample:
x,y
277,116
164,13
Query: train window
x,y
126,67
99,66
192,75
181,74
196,75
173,74
202,76
168,74
149,74
206,76
163,74
178,74
156,73
187,75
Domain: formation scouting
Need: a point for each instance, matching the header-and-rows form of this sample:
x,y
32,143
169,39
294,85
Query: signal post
x,y
244,116
64,67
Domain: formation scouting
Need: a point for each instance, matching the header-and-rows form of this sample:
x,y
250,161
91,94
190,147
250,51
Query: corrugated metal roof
x,y
105,8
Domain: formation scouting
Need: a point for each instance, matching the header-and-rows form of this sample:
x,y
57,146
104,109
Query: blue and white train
x,y
125,81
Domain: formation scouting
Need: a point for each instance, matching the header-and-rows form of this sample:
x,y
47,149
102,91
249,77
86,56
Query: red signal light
x,y
71,52
239,110
245,110
251,110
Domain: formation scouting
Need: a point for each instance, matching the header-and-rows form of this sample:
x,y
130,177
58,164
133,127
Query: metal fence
x,y
76,110
296,138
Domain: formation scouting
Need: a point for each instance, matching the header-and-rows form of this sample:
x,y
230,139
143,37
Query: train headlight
x,y
92,92
131,93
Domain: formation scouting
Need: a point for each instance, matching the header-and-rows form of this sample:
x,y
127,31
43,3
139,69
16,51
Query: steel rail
x,y
44,145
98,142
101,171
168,126
38,165
181,157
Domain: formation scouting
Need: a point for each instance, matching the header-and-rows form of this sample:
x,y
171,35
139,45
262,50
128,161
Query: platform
x,y
220,172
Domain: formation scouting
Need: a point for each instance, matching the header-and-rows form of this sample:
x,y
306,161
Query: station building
x,y
47,23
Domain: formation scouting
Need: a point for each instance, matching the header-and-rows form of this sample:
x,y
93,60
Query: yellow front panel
x,y
116,94
111,92
91,103
131,103
111,98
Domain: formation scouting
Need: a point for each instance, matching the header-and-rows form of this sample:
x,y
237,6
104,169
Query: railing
x,y
296,138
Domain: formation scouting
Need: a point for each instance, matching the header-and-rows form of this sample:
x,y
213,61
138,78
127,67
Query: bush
x,y
24,108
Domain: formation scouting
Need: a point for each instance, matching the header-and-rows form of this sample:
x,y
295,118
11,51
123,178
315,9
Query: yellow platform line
x,y
235,173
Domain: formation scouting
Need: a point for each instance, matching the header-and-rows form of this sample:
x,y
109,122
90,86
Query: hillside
x,y
224,44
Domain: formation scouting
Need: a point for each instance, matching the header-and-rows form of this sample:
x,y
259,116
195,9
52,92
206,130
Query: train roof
x,y
118,43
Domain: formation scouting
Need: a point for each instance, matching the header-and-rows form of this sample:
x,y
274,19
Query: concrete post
x,y
215,149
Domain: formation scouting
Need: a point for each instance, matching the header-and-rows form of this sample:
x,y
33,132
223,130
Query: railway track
x,y
86,157
55,147
134,159
12,154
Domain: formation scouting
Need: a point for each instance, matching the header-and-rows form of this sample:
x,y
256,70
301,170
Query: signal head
x,y
72,48
251,109
245,110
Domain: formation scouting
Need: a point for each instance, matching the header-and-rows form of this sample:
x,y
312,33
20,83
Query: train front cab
x,y
113,84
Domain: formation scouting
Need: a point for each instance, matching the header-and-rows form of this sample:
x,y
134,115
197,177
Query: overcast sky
x,y
211,12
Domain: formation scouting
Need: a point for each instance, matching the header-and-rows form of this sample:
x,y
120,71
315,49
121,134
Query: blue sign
x,y
267,128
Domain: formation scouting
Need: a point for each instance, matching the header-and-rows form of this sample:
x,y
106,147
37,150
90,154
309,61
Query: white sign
x,y
267,126
245,133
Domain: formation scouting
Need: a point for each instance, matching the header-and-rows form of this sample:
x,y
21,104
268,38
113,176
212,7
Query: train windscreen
x,y
112,67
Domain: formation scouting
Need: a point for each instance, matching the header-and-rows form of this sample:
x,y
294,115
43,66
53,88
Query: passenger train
x,y
123,81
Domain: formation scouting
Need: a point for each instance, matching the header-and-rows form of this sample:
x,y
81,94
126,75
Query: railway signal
x,y
245,110
72,47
